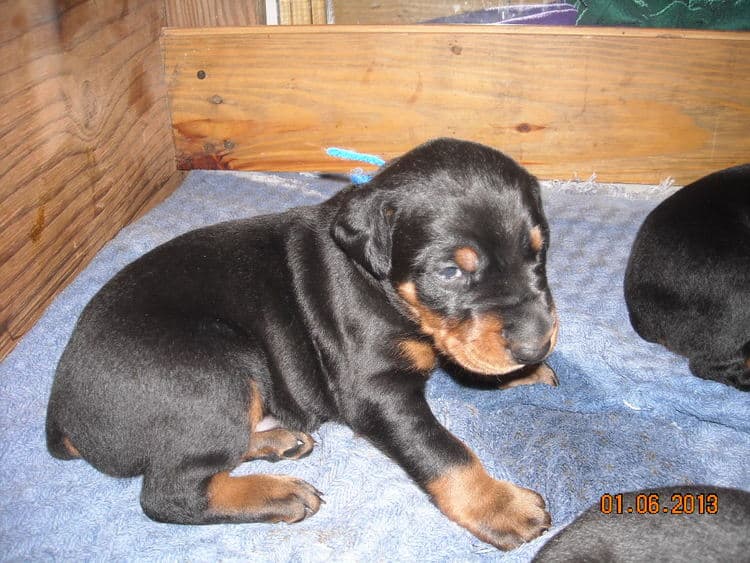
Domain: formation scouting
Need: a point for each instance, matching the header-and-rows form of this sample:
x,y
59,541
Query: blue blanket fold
x,y
627,414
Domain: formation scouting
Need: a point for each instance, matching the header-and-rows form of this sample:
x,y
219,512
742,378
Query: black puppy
x,y
331,312
687,283
679,524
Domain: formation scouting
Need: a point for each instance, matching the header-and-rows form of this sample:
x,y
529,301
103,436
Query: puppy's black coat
x,y
703,529
687,283
234,341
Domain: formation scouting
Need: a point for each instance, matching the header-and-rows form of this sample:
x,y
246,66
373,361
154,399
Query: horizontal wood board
x,y
627,105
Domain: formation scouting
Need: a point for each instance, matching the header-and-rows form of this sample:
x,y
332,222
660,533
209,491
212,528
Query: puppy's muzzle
x,y
530,353
532,338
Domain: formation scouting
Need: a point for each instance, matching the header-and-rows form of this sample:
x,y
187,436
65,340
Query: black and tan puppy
x,y
331,312
687,284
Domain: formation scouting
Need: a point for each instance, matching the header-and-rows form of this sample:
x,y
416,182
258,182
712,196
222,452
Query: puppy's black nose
x,y
530,352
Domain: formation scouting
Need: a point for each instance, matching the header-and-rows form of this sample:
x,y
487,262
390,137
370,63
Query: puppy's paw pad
x,y
293,501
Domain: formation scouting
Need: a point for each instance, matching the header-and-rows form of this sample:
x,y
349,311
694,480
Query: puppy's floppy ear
x,y
363,228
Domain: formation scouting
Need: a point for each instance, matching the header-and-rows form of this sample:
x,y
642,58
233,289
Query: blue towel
x,y
627,413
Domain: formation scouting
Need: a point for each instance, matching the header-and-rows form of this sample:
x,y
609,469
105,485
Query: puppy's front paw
x,y
497,512
512,516
539,373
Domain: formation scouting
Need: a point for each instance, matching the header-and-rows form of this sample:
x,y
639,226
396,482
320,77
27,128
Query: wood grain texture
x,y
412,11
285,12
302,12
629,105
212,13
85,144
318,10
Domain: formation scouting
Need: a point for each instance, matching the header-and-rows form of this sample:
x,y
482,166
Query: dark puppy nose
x,y
530,352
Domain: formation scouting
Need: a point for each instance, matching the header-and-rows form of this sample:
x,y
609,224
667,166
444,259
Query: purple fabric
x,y
536,14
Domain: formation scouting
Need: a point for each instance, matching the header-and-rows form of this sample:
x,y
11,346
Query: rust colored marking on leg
x,y
420,355
71,449
275,443
497,512
262,498
255,410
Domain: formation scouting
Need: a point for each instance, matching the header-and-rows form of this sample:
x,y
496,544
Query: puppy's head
x,y
457,230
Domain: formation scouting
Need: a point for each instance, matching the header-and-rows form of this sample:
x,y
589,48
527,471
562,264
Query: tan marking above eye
x,y
536,238
467,259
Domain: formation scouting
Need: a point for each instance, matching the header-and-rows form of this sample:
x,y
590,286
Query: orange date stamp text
x,y
653,503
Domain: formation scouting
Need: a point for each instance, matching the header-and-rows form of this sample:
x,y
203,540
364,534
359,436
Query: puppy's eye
x,y
450,273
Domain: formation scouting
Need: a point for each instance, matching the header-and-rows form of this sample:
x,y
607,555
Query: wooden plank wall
x,y
84,145
214,13
302,12
629,105
85,136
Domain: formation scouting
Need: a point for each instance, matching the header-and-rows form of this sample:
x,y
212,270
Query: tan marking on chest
x,y
536,238
421,355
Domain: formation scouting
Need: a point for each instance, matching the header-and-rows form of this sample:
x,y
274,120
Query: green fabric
x,y
688,14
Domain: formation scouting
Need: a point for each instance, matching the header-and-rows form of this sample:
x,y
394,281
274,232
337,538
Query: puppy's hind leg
x,y
198,489
279,443
261,498
270,441
187,496
734,371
